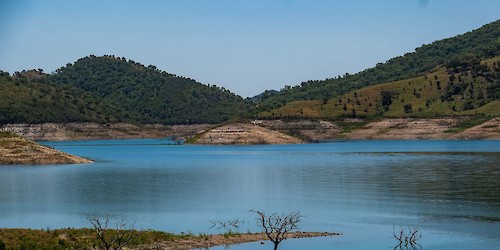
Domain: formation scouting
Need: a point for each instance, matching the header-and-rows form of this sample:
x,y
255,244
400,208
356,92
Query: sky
x,y
246,46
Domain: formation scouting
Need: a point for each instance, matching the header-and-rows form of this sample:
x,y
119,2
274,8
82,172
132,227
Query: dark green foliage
x,y
148,95
460,51
27,100
387,97
408,108
108,89
477,84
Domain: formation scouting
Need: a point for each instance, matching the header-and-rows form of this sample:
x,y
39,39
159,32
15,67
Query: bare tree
x,y
110,239
407,236
230,227
227,225
277,226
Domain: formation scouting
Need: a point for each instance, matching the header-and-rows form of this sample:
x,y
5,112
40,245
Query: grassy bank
x,y
142,240
74,238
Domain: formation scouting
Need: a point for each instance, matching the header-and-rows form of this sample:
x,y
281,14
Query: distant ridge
x,y
480,44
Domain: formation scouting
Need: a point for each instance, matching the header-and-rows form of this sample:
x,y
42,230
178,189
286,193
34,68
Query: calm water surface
x,y
450,189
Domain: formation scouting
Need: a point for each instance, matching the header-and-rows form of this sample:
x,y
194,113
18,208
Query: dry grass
x,y
424,94
17,150
71,238
145,240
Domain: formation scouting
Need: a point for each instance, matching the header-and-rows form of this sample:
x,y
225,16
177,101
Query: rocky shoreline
x,y
17,150
95,131
243,134
224,240
270,131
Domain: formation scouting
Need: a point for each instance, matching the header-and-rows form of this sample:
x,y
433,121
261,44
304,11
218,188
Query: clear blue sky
x,y
247,46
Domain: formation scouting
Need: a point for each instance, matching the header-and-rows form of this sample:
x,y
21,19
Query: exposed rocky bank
x,y
270,131
17,150
243,134
388,129
92,131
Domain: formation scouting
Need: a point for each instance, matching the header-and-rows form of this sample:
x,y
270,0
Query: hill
x,y
476,45
459,89
27,97
149,95
110,89
451,77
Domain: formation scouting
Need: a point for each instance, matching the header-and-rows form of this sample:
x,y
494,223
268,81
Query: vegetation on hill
x,y
148,95
110,89
479,44
28,98
466,88
440,79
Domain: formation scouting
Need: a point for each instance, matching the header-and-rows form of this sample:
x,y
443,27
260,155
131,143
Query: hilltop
x,y
111,89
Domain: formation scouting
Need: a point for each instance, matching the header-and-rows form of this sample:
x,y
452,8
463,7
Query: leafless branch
x,y
112,239
226,225
407,236
277,226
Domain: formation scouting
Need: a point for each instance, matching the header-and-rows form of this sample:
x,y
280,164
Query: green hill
x,y
28,98
112,89
148,95
455,76
460,89
476,45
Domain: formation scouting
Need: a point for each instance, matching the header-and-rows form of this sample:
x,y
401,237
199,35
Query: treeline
x,y
478,45
112,89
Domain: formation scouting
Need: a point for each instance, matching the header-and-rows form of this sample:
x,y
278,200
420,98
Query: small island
x,y
17,150
243,134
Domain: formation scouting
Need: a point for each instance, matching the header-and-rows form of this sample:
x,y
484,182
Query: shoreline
x,y
145,239
15,150
271,131
215,240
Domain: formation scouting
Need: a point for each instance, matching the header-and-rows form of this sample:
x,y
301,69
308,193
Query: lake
x,y
362,189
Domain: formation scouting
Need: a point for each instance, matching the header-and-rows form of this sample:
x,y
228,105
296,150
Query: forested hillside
x,y
113,89
28,98
148,95
459,89
455,76
476,45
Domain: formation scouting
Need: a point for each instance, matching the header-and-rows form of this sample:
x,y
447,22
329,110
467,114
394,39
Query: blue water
x,y
450,189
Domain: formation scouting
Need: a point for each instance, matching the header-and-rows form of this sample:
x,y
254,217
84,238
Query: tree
x,y
408,108
277,226
407,236
387,97
112,239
